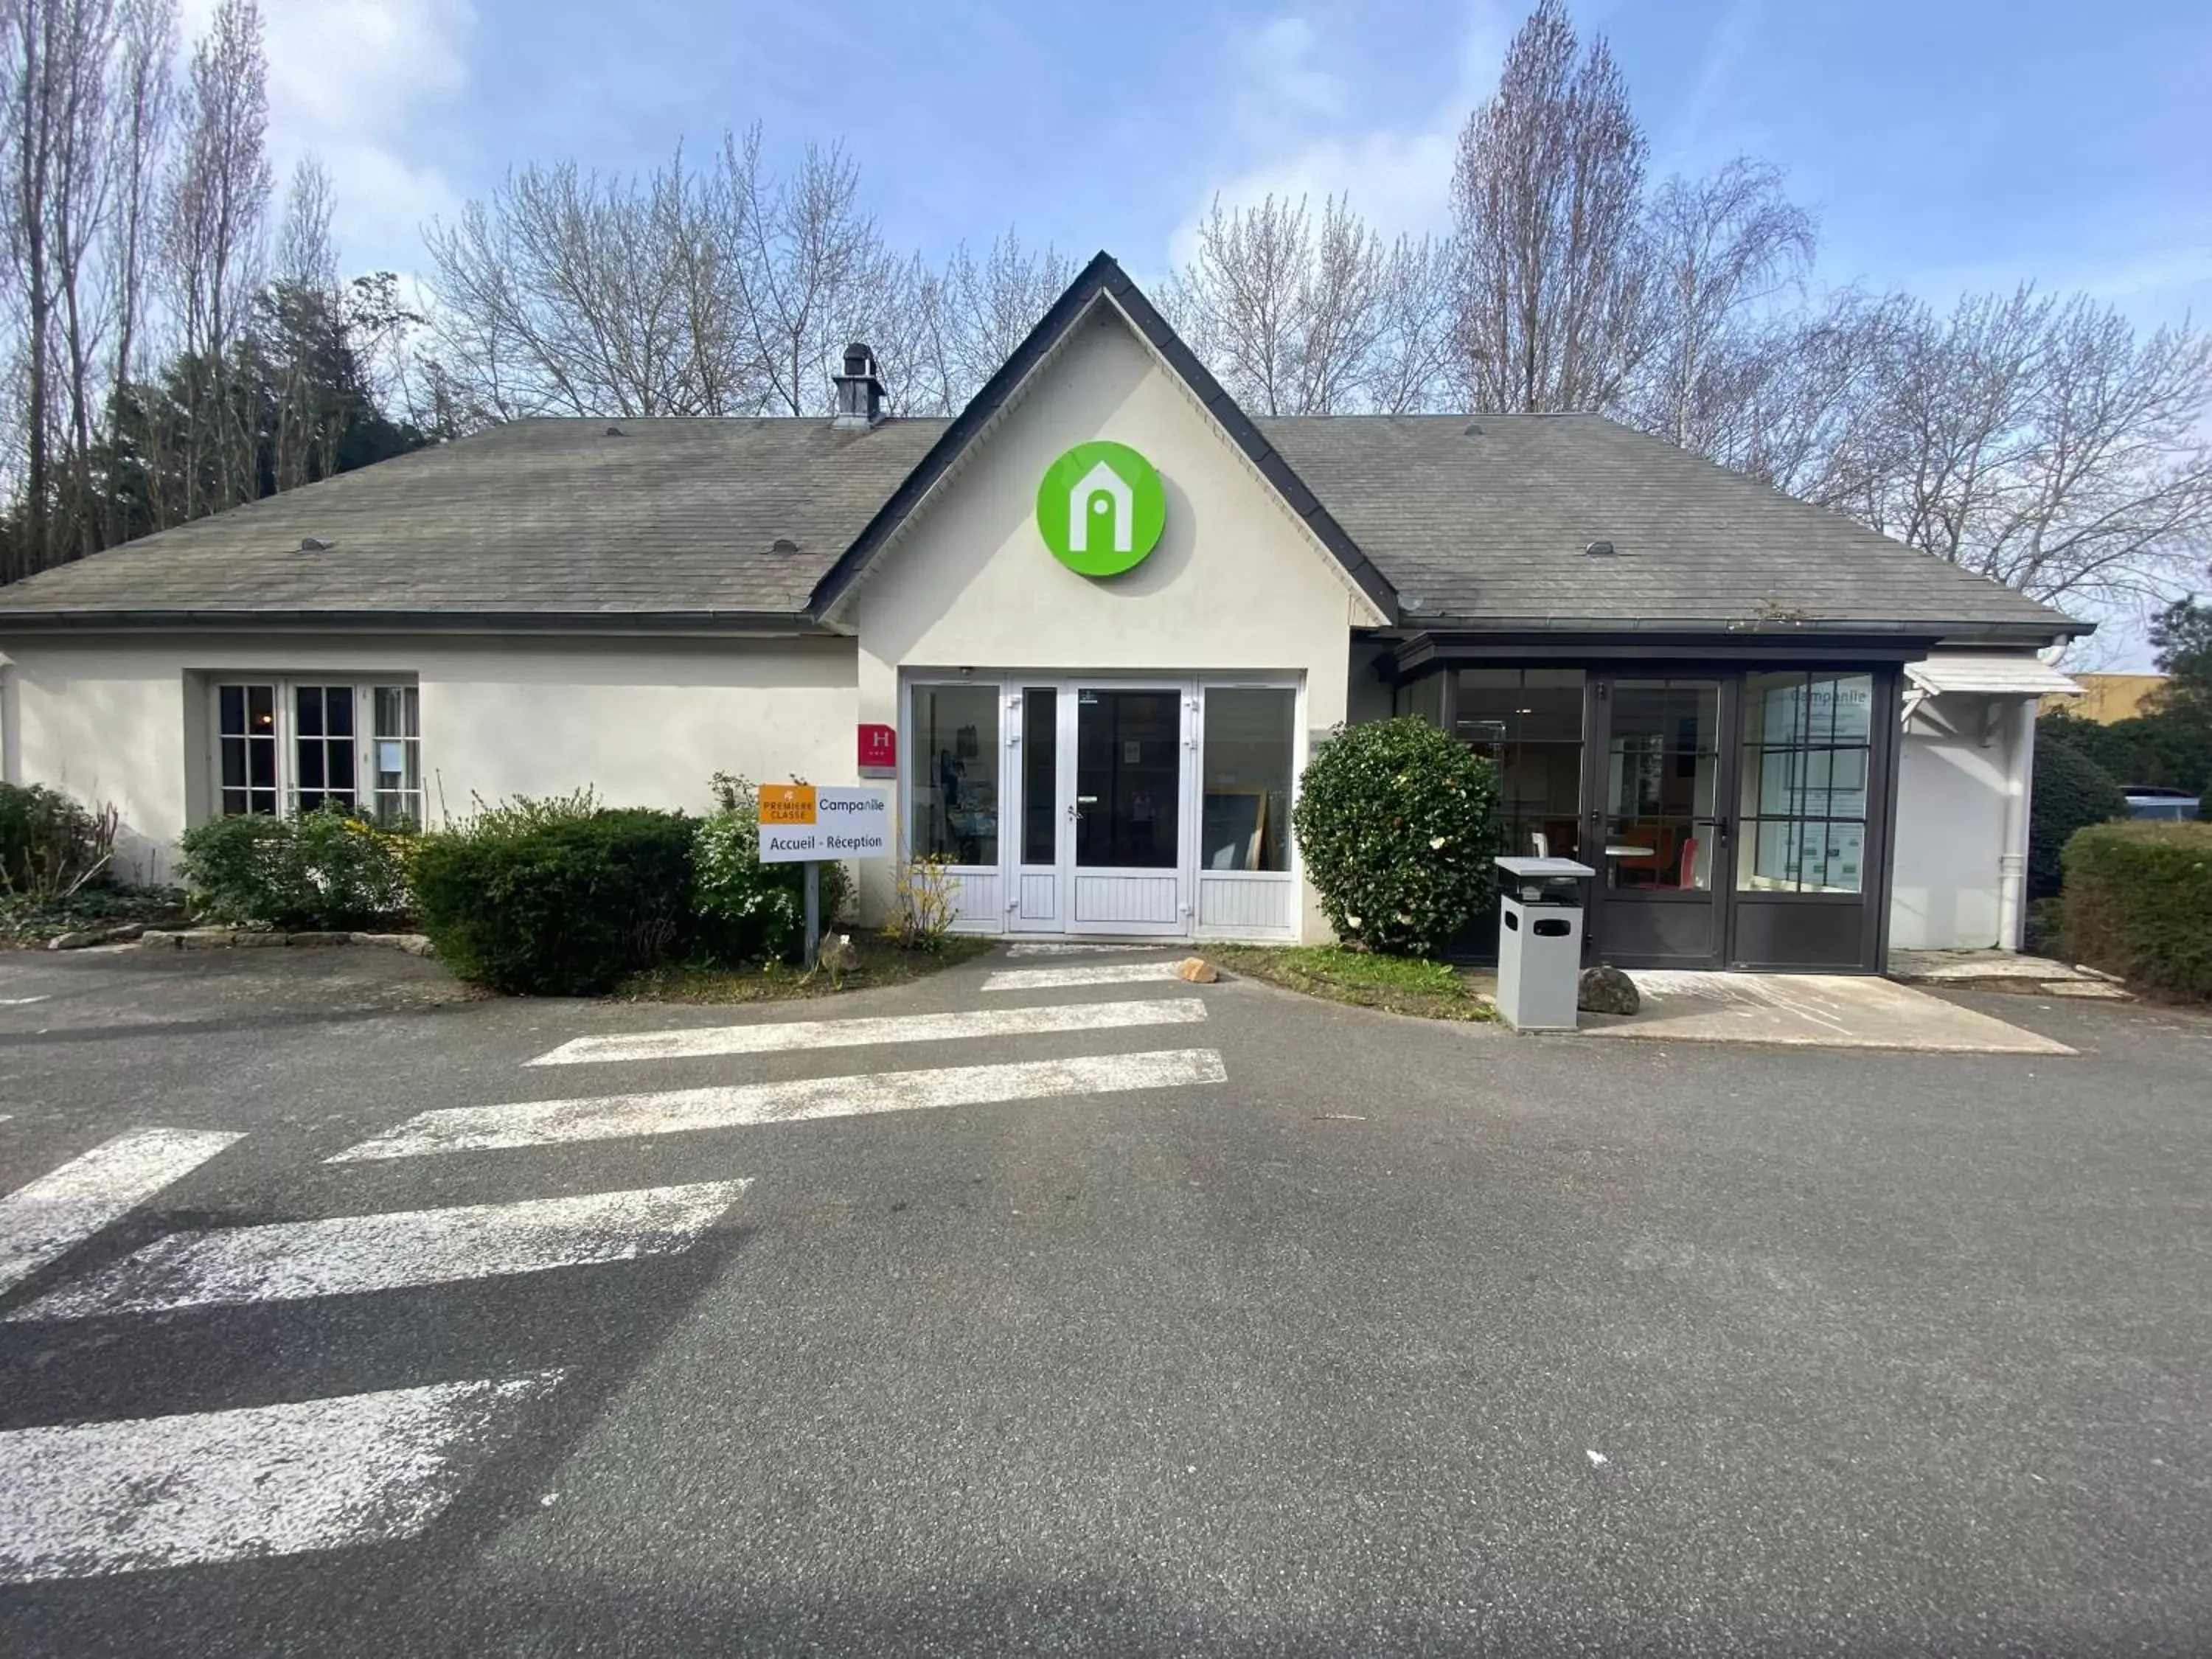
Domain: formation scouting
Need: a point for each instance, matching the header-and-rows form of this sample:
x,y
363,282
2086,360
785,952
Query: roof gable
x,y
1102,280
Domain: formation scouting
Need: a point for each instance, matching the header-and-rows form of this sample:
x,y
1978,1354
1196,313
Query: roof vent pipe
x,y
859,393
1599,549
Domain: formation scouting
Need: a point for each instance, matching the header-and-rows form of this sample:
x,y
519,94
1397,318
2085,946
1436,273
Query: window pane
x,y
308,772
1530,722
261,762
955,773
338,768
1040,774
308,701
230,702
338,710
396,752
1245,823
1128,779
1807,763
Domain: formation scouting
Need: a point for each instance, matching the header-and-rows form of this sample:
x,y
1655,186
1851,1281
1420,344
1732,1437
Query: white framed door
x,y
1128,768
1143,806
1039,814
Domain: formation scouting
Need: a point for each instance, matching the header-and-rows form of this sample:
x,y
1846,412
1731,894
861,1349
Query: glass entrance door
x,y
1128,769
1661,835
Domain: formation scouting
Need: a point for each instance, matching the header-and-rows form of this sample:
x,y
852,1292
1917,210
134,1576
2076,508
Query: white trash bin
x,y
1539,942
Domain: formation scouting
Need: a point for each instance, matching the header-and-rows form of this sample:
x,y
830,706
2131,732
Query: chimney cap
x,y
859,359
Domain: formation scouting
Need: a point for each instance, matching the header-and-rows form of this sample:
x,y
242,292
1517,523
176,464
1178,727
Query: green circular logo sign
x,y
1100,508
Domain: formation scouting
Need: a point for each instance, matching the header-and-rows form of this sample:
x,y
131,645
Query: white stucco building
x,y
1789,742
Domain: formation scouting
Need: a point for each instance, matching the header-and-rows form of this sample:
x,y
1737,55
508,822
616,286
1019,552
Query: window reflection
x,y
1246,821
1808,747
1529,721
955,776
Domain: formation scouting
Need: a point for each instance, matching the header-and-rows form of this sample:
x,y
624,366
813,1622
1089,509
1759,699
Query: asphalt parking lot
x,y
1340,1334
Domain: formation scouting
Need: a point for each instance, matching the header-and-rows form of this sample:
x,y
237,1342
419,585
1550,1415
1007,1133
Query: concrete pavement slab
x,y
1820,1011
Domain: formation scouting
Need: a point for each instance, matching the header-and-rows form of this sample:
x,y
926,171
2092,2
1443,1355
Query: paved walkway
x,y
1818,1011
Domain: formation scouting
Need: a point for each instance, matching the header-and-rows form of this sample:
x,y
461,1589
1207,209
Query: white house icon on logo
x,y
1084,501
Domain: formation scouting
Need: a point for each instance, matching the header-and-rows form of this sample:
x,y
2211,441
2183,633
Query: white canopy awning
x,y
1992,676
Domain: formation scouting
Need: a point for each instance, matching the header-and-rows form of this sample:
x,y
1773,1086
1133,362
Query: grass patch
x,y
882,963
1401,985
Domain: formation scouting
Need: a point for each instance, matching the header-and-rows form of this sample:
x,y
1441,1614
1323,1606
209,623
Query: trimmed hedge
x,y
1397,823
2070,793
325,870
2139,905
563,906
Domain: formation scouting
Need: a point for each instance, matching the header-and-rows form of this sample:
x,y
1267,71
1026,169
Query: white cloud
x,y
349,82
1292,133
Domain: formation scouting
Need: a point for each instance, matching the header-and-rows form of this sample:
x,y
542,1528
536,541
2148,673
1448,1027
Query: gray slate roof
x,y
1490,526
535,517
677,519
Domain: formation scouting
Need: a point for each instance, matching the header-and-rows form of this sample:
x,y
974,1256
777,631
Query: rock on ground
x,y
1608,991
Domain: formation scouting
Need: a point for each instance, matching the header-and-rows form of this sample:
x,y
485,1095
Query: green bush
x,y
49,844
2070,793
1398,823
2172,749
2139,905
325,870
749,911
557,904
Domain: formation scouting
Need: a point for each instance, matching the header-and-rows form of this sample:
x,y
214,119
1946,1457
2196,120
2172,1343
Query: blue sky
x,y
1945,144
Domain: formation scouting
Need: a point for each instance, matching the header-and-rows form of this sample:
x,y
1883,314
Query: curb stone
x,y
222,938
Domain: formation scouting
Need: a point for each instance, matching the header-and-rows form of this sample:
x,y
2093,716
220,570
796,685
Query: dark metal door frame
x,y
1611,907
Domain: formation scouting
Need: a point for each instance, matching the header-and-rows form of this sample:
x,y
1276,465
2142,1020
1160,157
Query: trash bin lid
x,y
1538,869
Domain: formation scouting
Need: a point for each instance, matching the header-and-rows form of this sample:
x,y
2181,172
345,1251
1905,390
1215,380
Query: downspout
x,y
2012,862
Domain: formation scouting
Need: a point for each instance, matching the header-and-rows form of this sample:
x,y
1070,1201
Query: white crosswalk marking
x,y
95,1499
1058,948
1097,972
351,1254
887,1029
549,1122
59,1211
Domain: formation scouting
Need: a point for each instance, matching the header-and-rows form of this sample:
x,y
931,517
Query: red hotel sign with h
x,y
878,751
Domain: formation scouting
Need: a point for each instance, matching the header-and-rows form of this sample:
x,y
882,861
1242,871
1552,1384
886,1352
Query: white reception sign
x,y
798,822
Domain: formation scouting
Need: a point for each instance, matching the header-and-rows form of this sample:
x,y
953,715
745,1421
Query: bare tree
x,y
991,305
812,267
1411,368
1292,313
1546,198
1720,250
2041,443
217,201
143,107
302,295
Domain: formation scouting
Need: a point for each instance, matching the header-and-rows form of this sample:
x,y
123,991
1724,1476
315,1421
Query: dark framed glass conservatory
x,y
1739,813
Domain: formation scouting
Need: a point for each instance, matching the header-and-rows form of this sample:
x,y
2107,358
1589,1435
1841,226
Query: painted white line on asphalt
x,y
96,1498
550,1122
20,1002
894,1028
352,1254
59,1211
1055,948
1100,972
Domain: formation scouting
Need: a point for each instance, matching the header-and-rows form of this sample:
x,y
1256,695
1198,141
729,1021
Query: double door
x,y
1740,820
1103,784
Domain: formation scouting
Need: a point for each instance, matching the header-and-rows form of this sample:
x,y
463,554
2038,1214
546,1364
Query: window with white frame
x,y
297,746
